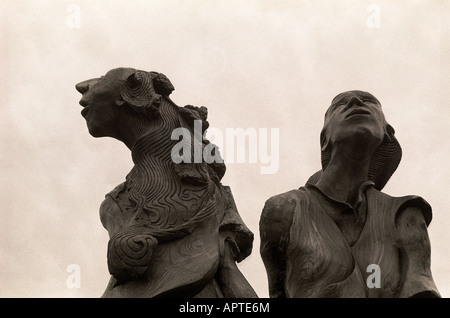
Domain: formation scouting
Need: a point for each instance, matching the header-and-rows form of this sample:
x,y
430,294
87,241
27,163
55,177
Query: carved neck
x,y
343,176
151,154
153,136
153,182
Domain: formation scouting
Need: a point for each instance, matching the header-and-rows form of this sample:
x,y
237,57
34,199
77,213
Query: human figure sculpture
x,y
174,228
326,238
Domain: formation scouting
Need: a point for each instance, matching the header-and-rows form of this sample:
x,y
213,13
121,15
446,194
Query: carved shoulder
x,y
414,243
276,218
274,227
111,216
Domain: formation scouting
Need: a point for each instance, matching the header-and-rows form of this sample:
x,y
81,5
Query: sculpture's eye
x,y
336,106
339,105
370,100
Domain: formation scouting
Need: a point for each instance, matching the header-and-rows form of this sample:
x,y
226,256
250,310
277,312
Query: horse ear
x,y
133,81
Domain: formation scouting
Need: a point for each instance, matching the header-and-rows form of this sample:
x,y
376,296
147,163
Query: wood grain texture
x,y
315,259
169,223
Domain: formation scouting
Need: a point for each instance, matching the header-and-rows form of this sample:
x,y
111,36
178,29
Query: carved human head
x,y
353,113
124,89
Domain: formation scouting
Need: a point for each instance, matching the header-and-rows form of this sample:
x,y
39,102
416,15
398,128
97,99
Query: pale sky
x,y
254,64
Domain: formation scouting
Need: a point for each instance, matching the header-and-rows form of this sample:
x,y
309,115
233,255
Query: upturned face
x,y
100,97
354,114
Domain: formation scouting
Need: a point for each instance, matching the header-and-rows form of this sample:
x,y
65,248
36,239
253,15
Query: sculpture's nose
x,y
355,101
83,87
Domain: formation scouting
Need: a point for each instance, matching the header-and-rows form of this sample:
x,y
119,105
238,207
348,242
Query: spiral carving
x,y
129,254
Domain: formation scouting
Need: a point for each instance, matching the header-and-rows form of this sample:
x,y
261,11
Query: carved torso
x,y
321,261
182,227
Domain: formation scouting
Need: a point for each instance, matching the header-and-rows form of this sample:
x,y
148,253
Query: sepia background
x,y
253,63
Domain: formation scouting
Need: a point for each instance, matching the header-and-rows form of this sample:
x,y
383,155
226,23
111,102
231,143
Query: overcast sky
x,y
254,64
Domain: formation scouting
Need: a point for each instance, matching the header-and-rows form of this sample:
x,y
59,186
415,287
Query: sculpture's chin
x,y
96,132
99,126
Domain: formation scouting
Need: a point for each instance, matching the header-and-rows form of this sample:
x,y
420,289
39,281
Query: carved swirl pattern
x,y
163,207
164,201
129,254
